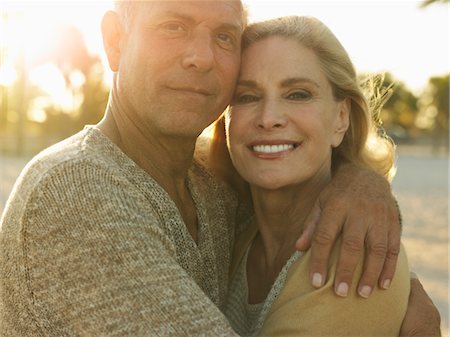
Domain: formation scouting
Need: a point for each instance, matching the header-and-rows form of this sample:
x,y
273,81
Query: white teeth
x,y
272,148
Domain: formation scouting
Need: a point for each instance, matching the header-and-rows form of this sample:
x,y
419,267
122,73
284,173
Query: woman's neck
x,y
280,216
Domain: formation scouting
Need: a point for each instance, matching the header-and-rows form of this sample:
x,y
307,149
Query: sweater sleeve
x,y
96,262
301,310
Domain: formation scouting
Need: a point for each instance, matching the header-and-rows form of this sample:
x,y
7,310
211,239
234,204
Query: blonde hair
x,y
364,143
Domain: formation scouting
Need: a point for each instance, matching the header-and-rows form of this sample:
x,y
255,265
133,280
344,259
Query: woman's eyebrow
x,y
297,80
247,83
285,83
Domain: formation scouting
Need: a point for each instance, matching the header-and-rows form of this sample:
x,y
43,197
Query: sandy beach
x,y
421,187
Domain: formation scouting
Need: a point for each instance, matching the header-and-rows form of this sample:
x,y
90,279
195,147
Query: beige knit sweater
x,y
91,245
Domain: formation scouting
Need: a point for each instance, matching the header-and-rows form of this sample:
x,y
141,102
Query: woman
x,y
297,114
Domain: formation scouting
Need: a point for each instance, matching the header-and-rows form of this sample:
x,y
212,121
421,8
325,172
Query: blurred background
x,y
54,80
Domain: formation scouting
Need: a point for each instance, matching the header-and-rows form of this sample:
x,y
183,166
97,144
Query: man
x,y
116,231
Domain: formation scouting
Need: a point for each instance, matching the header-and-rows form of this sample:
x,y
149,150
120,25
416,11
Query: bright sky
x,y
380,35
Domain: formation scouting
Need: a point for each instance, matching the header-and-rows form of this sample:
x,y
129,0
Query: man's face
x,y
179,62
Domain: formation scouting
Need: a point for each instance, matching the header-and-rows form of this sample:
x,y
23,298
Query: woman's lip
x,y
272,142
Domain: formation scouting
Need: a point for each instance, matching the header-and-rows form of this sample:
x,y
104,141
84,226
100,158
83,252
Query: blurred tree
x,y
85,92
399,110
71,56
95,96
434,110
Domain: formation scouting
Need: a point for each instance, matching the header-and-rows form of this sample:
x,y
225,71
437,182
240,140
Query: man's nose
x,y
199,54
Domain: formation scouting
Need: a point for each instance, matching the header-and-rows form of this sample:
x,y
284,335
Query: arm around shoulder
x,y
301,310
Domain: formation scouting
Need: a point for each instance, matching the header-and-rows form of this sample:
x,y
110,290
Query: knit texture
x,y
294,308
91,245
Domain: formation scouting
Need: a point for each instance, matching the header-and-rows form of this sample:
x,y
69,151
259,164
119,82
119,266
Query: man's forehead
x,y
233,8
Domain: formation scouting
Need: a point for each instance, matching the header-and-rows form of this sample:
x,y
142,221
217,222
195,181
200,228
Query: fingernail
x,y
317,280
342,289
386,284
365,291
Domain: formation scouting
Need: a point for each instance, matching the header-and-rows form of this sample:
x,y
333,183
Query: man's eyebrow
x,y
222,25
178,16
297,80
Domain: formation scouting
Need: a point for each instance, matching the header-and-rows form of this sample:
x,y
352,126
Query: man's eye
x,y
299,95
226,40
244,99
173,27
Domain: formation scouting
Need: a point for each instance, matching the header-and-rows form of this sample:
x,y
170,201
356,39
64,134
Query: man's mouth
x,y
192,90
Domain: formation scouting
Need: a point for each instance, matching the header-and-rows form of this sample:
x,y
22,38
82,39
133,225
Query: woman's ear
x,y
342,122
112,32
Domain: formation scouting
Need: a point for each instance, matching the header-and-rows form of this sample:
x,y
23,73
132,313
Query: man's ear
x,y
112,32
342,122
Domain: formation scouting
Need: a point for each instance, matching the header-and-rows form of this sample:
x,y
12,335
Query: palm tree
x,y
426,3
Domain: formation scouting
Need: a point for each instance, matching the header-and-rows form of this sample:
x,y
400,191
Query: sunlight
x,y
30,32
27,37
412,56
8,75
49,79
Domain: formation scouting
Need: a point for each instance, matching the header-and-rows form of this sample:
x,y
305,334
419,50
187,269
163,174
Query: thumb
x,y
304,242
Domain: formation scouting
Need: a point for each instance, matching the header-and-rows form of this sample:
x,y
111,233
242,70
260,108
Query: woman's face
x,y
284,119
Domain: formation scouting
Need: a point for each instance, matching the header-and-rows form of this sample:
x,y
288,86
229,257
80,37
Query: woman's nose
x,y
271,117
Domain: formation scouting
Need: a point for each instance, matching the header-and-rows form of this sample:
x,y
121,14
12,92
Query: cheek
x,y
234,133
325,129
237,132
239,123
228,70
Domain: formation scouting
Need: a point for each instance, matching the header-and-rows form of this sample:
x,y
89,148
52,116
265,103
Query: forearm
x,y
422,317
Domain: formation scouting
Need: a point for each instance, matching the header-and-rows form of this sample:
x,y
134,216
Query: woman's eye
x,y
244,99
299,95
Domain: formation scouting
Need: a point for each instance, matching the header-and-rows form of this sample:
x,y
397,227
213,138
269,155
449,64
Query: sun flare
x,y
30,32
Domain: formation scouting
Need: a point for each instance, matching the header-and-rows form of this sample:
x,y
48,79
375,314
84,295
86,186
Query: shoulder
x,y
78,150
303,309
77,177
76,157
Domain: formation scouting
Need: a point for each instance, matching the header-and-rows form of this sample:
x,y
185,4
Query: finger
x,y
376,249
352,249
304,242
392,253
325,234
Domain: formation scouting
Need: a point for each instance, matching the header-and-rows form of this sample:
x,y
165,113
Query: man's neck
x,y
166,160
